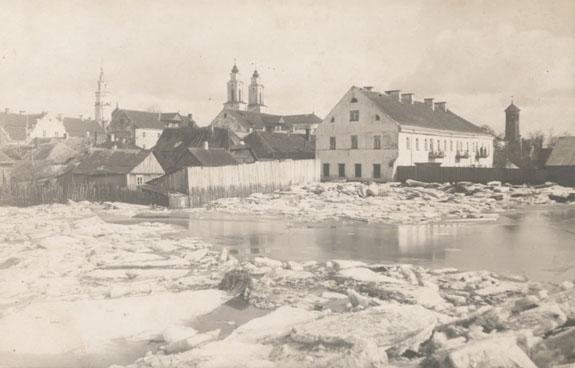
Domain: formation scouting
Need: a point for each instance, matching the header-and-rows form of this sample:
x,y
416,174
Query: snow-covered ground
x,y
72,284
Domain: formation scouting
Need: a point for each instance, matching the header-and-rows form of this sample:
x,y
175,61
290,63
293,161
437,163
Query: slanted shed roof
x,y
563,153
107,162
32,170
194,137
212,157
420,115
76,127
266,145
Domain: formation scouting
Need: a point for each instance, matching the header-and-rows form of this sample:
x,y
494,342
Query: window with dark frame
x,y
377,171
354,115
341,170
358,170
326,170
331,143
354,142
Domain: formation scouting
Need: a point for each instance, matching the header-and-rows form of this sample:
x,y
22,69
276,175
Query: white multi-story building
x,y
368,134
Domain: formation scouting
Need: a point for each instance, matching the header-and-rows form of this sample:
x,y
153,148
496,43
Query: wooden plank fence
x,y
439,174
205,184
30,194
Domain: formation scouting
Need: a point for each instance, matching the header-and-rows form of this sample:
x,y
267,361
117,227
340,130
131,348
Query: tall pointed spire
x,y
101,104
235,90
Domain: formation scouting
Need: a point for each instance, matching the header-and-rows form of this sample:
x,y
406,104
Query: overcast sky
x,y
176,55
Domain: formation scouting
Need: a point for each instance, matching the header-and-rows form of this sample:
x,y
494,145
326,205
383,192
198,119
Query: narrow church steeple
x,y
235,90
101,104
256,91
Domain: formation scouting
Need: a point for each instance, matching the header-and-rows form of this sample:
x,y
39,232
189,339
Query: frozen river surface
x,y
538,243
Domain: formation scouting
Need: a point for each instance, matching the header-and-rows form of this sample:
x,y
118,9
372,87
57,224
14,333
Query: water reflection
x,y
537,243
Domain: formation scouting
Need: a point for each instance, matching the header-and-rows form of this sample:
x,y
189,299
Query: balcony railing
x,y
462,154
436,154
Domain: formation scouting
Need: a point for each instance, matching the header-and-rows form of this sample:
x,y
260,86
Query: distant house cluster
x,y
367,135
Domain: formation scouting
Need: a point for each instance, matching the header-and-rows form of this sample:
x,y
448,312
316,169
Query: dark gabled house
x,y
144,128
121,168
15,128
86,129
173,147
561,163
280,146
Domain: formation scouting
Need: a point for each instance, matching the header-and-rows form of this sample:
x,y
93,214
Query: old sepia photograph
x,y
291,184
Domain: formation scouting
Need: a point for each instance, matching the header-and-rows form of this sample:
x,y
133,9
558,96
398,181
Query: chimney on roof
x,y
6,110
368,88
428,102
393,93
206,145
81,116
407,98
441,106
21,112
59,116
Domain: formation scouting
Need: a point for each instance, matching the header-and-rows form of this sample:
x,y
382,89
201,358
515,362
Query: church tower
x,y
512,133
235,91
102,105
256,102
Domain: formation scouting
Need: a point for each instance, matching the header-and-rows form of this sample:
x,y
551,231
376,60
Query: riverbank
x,y
395,203
78,291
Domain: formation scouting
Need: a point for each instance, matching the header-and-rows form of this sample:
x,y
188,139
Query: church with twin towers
x,y
244,117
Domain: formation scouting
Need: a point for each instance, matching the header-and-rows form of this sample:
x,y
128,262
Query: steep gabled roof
x,y
111,162
190,137
563,153
266,145
418,114
76,127
15,124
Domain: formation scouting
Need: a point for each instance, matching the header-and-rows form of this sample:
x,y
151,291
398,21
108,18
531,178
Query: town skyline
x,y
54,66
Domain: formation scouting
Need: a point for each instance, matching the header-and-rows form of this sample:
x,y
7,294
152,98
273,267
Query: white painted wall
x,y
147,138
365,129
48,126
449,144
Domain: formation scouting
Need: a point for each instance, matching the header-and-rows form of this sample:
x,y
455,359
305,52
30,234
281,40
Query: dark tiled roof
x,y
31,170
258,120
111,162
150,120
563,153
118,145
301,119
212,157
190,137
267,145
15,124
76,127
53,152
243,154
420,115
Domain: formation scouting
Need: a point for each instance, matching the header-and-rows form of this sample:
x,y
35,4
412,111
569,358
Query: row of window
x,y
375,172
434,145
354,142
354,116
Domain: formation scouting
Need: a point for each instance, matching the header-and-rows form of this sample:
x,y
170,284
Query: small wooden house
x,y
121,168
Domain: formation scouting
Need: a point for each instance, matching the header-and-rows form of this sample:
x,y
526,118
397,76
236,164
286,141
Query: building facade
x,y
243,120
102,101
48,126
368,134
143,128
